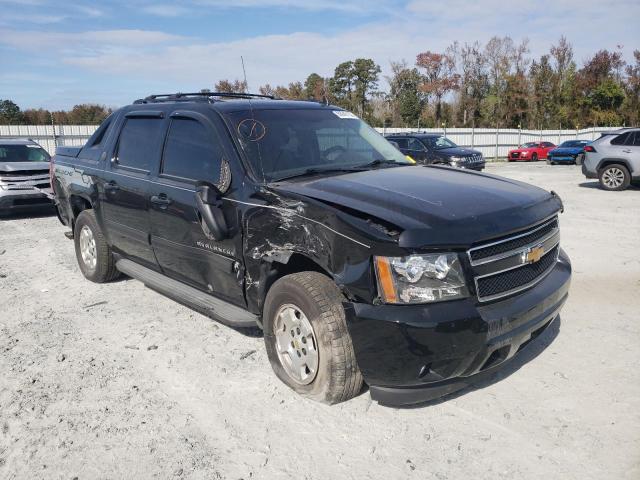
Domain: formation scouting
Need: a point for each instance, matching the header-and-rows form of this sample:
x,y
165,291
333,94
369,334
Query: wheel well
x,y
613,161
273,271
78,204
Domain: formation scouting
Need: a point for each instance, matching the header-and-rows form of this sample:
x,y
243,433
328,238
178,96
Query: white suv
x,y
614,159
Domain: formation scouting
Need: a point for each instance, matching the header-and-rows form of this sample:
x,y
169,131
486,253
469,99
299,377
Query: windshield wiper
x,y
315,170
380,161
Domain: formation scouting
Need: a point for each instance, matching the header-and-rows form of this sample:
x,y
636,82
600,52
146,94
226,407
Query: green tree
x,y
341,85
314,87
10,113
366,74
407,101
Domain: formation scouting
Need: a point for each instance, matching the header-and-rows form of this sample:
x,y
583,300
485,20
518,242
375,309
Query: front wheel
x,y
534,157
306,338
614,177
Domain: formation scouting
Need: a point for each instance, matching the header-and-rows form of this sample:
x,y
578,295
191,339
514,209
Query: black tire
x,y
105,266
534,157
614,171
337,377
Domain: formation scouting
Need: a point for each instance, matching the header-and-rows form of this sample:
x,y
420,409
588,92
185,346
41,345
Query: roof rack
x,y
199,96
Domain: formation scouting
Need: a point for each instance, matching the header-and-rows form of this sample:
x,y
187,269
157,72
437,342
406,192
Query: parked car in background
x,y
24,175
531,152
436,149
614,159
571,151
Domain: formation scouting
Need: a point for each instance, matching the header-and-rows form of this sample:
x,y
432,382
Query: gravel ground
x,y
116,381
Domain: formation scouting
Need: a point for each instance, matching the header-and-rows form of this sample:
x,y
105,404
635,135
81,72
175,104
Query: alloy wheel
x,y
296,344
88,247
613,177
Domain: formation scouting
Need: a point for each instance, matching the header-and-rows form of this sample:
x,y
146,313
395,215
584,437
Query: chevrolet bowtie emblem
x,y
533,255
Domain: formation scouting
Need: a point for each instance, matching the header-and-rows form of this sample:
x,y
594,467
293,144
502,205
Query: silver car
x,y
24,175
614,159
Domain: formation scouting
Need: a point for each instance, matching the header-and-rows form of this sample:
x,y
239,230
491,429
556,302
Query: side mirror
x,y
209,201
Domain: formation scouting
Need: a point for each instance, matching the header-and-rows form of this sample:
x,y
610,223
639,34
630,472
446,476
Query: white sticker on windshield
x,y
343,114
33,146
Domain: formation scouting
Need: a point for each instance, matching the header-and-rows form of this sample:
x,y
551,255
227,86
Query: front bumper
x,y
416,353
15,199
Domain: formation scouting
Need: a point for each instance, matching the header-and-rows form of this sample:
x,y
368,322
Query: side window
x,y
621,139
635,142
191,152
402,142
138,142
547,144
415,144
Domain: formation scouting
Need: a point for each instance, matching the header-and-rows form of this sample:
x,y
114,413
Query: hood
x,y
22,166
567,150
458,152
434,206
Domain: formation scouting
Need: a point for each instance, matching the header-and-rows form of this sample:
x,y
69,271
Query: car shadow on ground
x,y
40,212
508,368
596,185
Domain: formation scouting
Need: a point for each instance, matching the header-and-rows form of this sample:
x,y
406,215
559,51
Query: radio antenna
x,y
253,118
244,72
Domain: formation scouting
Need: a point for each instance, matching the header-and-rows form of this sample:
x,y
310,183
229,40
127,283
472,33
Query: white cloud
x,y
166,10
97,41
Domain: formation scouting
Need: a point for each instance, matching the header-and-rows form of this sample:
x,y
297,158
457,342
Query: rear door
x,y
125,187
195,151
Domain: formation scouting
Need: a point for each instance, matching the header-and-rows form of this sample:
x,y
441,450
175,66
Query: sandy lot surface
x,y
116,381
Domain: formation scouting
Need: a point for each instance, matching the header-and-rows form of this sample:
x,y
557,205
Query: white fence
x,y
493,143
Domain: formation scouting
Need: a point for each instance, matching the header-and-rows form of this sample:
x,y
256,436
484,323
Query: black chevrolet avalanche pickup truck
x,y
298,217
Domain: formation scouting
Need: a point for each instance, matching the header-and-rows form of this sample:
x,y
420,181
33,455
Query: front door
x,y
193,152
125,187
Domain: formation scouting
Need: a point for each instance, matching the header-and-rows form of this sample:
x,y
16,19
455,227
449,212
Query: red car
x,y
531,152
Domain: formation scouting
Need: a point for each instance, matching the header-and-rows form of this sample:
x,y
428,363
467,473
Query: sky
x,y
55,54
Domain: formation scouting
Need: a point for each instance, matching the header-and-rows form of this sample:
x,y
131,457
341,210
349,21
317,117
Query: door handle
x,y
161,200
627,150
111,186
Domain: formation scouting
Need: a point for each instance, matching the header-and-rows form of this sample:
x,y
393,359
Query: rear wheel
x,y
614,177
306,338
92,251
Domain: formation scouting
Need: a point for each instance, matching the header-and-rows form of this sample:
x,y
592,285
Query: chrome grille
x,y
25,179
515,263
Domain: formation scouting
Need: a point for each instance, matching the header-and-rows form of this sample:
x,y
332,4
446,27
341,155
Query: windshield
x,y
438,143
23,153
291,142
530,145
574,143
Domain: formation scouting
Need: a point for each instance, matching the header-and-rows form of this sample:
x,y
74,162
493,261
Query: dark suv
x,y
301,219
436,149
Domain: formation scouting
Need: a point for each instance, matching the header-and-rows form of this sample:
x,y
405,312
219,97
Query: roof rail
x,y
199,96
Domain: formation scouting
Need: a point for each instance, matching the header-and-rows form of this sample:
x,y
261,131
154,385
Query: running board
x,y
218,309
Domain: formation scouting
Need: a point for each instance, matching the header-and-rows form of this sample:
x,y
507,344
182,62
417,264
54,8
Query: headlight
x,y
524,154
420,278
